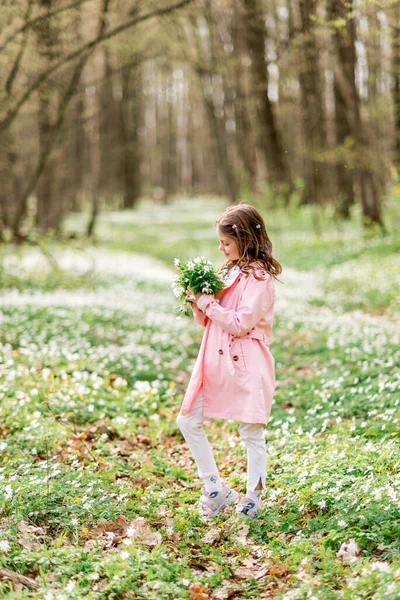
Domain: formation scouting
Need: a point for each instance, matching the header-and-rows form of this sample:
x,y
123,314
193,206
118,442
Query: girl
x,y
233,377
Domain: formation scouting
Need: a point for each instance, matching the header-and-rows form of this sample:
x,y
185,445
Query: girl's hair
x,y
244,224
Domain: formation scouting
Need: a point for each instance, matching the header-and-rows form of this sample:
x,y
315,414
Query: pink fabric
x,y
234,364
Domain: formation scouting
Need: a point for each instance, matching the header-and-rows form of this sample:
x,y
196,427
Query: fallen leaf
x,y
111,533
198,592
247,573
278,570
24,527
241,535
18,580
212,567
225,592
211,536
139,530
31,537
251,569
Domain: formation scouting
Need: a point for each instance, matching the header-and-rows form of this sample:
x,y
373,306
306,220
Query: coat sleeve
x,y
256,300
199,316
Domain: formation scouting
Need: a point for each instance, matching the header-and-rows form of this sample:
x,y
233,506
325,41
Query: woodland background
x,y
126,128
103,102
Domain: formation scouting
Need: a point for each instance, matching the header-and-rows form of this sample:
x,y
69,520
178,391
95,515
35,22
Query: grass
x,y
92,374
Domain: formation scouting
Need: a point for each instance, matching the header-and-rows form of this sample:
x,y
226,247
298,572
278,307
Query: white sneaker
x,y
211,503
248,507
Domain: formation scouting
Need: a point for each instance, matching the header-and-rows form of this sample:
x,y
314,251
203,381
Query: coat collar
x,y
231,282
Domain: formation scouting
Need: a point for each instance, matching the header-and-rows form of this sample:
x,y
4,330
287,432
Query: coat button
x,y
220,351
235,358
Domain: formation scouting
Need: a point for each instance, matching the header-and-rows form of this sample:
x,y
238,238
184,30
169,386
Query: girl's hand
x,y
191,296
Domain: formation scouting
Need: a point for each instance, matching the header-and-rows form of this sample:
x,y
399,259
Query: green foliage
x,y
91,382
198,276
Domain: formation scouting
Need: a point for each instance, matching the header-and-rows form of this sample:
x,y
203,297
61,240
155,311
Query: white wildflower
x,y
348,551
127,541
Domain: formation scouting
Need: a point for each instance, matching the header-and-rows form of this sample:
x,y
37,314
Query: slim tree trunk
x,y
245,135
46,39
270,140
396,86
130,114
343,125
344,175
217,129
312,100
367,164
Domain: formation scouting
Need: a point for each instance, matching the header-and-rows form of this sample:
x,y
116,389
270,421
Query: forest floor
x,y
98,490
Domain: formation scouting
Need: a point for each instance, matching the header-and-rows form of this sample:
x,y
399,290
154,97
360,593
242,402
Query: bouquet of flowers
x,y
198,275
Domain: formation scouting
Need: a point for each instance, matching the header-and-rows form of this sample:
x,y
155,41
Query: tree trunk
x,y
396,86
367,164
312,100
217,129
130,114
245,135
343,128
46,38
344,175
270,141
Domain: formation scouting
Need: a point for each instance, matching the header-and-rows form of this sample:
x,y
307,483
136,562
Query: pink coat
x,y
234,364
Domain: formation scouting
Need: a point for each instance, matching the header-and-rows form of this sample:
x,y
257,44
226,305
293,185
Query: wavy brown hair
x,y
244,224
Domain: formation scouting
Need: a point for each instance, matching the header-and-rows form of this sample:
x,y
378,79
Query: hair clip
x,y
234,226
258,226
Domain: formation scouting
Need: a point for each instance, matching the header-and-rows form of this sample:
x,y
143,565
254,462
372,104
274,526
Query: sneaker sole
x,y
233,496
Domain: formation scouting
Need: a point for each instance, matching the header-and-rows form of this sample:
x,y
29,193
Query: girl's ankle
x,y
254,496
213,483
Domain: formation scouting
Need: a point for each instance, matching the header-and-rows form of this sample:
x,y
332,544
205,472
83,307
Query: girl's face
x,y
227,245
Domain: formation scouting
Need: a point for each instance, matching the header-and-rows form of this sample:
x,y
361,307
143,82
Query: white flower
x,y
178,291
321,504
177,262
124,555
70,586
342,523
4,545
127,541
348,551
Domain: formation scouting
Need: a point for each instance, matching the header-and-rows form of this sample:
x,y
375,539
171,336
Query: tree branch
x,y
9,118
15,68
28,24
46,151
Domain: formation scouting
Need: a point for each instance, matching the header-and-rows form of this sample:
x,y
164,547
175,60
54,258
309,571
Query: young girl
x,y
233,377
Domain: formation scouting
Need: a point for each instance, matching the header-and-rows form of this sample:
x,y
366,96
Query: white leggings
x,y
252,435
